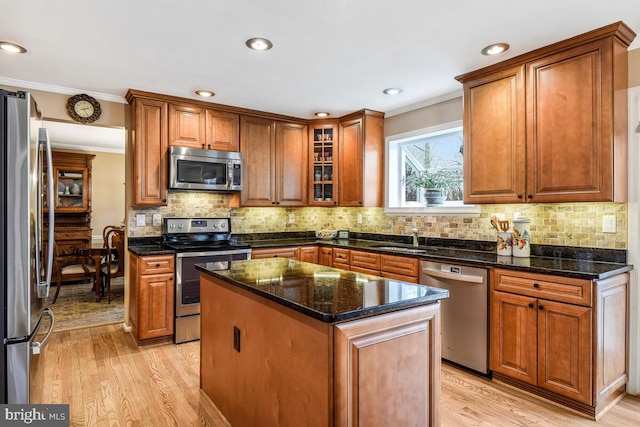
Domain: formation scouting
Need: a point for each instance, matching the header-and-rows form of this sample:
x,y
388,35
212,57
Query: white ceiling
x,y
329,55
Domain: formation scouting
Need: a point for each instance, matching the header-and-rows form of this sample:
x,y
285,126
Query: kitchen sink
x,y
400,249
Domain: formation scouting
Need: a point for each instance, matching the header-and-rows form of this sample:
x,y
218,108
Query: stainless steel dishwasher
x,y
464,313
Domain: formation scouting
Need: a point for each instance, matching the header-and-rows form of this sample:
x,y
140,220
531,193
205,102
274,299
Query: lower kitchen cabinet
x,y
151,297
341,258
308,254
399,268
550,336
325,256
290,252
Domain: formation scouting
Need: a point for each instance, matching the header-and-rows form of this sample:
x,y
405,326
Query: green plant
x,y
442,179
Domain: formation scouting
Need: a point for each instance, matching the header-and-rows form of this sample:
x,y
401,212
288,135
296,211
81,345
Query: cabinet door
x,y
150,162
564,350
72,188
292,167
155,306
324,164
367,260
222,131
308,254
513,336
259,157
350,163
186,126
494,138
569,130
326,256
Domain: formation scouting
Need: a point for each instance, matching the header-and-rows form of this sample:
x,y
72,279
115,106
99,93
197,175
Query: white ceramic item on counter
x,y
505,243
522,237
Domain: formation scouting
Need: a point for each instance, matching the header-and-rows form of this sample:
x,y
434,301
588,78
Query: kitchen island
x,y
288,343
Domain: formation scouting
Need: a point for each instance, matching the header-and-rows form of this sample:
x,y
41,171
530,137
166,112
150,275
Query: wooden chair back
x,y
114,243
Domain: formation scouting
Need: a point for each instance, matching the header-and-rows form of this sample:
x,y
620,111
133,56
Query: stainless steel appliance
x,y
464,314
198,169
197,241
25,277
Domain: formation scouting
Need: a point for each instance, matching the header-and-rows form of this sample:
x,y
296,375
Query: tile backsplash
x,y
562,224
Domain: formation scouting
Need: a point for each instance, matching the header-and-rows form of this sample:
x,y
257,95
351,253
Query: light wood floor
x,y
108,381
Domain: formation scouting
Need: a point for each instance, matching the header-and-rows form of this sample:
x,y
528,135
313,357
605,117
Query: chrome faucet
x,y
415,236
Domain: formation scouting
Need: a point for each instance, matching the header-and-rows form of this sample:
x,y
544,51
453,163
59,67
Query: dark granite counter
x,y
328,294
583,266
149,250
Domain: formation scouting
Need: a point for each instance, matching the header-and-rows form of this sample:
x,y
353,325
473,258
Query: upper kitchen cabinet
x,y
275,162
361,159
324,160
149,131
550,125
197,127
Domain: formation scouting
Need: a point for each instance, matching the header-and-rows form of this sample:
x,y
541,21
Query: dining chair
x,y
113,264
72,264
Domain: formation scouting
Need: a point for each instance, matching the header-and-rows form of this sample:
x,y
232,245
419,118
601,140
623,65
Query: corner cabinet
x,y
151,298
553,122
275,158
561,338
361,160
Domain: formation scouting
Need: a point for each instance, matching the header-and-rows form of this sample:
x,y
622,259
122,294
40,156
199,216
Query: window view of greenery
x,y
426,170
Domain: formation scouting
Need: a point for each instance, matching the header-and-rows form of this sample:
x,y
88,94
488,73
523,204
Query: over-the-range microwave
x,y
198,169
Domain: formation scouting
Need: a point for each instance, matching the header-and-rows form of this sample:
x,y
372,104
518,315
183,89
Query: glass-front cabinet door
x,y
70,183
324,161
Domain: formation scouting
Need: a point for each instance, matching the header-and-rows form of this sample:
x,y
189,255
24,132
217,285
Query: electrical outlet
x,y
292,218
157,220
608,223
141,220
359,219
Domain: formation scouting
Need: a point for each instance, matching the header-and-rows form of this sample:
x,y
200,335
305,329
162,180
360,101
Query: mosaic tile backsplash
x,y
562,224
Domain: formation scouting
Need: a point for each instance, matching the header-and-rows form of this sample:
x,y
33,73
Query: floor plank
x,y
108,381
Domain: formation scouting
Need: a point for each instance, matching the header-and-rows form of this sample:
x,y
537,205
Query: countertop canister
x,y
522,237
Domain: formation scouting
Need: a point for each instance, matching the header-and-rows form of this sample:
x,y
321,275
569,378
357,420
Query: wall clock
x,y
83,108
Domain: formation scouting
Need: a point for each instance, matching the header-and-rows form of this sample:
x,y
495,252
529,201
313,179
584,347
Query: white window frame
x,y
393,175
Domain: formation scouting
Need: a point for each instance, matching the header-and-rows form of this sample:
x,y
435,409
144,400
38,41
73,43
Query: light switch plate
x,y
608,223
156,220
140,220
359,219
292,218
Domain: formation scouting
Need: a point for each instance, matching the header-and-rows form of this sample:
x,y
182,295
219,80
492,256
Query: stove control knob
x,y
223,225
215,225
180,226
172,226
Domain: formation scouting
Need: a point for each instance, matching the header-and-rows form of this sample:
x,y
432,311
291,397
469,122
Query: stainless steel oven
x,y
197,241
187,327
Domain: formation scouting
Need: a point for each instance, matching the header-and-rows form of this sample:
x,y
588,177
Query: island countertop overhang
x,y
324,293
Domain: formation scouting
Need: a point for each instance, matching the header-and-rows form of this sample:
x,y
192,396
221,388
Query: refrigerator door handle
x,y
43,287
37,346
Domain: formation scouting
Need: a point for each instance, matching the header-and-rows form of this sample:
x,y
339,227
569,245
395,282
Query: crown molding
x,y
60,89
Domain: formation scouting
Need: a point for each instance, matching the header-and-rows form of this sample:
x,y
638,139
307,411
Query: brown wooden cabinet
x,y
325,256
308,254
275,162
72,186
364,262
550,336
151,298
361,160
552,121
290,252
399,268
197,127
341,258
148,137
323,175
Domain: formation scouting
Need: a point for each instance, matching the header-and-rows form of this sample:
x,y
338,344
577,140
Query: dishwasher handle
x,y
454,276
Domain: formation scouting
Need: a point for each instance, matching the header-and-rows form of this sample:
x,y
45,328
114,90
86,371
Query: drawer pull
x,y
157,264
535,285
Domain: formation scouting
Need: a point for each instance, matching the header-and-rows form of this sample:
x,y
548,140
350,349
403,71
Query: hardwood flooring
x,y
108,381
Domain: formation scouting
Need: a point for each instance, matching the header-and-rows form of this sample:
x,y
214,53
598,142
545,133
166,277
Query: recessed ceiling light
x,y
205,93
322,114
494,49
259,43
392,91
12,47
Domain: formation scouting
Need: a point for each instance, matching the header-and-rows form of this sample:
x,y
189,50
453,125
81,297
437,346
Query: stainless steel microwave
x,y
198,169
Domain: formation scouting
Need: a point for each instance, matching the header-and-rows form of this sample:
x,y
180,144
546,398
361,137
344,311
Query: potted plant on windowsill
x,y
435,183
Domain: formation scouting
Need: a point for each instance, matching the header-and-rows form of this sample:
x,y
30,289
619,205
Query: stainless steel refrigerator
x,y
25,277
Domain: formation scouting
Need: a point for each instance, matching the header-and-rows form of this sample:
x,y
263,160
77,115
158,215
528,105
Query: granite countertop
x,y
557,265
327,294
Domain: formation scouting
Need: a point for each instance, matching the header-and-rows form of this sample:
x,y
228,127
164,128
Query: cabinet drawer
x,y
291,253
156,264
72,234
399,265
340,256
555,288
368,260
